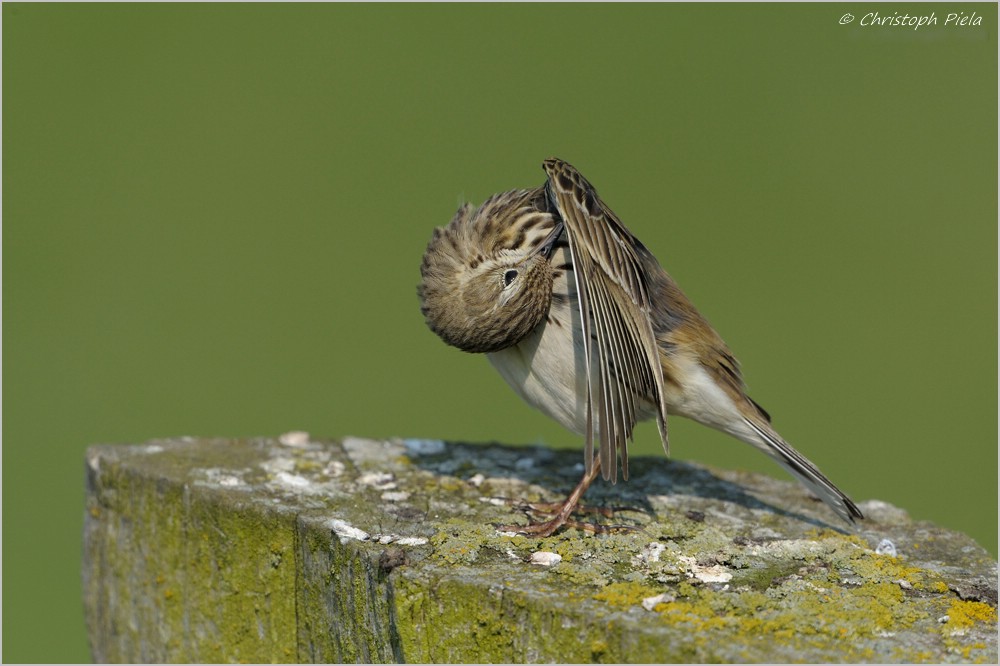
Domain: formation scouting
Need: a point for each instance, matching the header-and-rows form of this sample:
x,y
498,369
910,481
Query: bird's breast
x,y
547,368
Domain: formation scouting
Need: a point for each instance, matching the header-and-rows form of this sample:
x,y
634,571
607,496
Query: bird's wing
x,y
615,312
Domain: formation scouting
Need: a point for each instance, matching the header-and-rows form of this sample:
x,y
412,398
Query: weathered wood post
x,y
380,551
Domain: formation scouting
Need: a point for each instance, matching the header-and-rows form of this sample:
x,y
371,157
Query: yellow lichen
x,y
686,589
450,484
827,534
698,615
625,595
884,568
964,614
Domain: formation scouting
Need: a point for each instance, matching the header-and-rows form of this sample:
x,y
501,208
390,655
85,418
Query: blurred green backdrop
x,y
213,219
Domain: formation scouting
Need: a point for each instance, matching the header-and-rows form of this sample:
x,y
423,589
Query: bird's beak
x,y
545,249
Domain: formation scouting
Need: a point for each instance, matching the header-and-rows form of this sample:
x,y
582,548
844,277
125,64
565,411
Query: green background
x,y
213,220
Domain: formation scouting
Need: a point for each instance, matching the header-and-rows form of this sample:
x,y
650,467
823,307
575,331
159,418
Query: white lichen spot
x,y
495,501
374,478
275,465
378,480
424,447
545,558
508,533
296,438
794,548
397,496
292,480
346,531
334,468
152,448
214,476
904,584
477,480
385,539
650,603
650,553
715,573
886,547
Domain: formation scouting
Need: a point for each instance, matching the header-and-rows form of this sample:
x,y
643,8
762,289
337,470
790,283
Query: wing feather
x,y
616,314
584,301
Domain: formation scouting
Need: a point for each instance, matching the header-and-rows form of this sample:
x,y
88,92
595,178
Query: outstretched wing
x,y
615,311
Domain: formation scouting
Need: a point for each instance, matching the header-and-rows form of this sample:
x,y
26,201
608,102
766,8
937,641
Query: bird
x,y
582,322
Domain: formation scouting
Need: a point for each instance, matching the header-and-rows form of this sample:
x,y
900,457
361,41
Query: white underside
x,y
547,370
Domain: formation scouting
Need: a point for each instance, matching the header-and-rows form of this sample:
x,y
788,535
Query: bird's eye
x,y
509,277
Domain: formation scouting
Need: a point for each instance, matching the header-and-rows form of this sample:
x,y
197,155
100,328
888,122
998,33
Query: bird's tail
x,y
801,468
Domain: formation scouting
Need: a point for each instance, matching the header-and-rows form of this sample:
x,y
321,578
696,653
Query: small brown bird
x,y
583,323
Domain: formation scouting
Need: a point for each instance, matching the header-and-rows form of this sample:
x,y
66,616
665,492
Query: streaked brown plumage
x,y
581,320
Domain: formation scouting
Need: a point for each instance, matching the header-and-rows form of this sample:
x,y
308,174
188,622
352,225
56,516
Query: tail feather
x,y
806,472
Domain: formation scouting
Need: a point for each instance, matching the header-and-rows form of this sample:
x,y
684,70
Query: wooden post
x,y
386,551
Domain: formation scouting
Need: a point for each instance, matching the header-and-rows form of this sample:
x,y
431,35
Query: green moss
x,y
625,595
450,484
256,617
686,589
199,543
763,577
458,542
451,623
305,466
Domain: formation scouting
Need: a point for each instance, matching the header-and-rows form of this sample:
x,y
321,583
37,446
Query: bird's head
x,y
486,277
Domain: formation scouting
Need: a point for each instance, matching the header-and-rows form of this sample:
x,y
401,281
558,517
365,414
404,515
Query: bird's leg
x,y
563,511
552,508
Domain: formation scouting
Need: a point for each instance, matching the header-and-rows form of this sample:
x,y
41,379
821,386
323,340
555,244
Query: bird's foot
x,y
553,508
561,512
549,527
